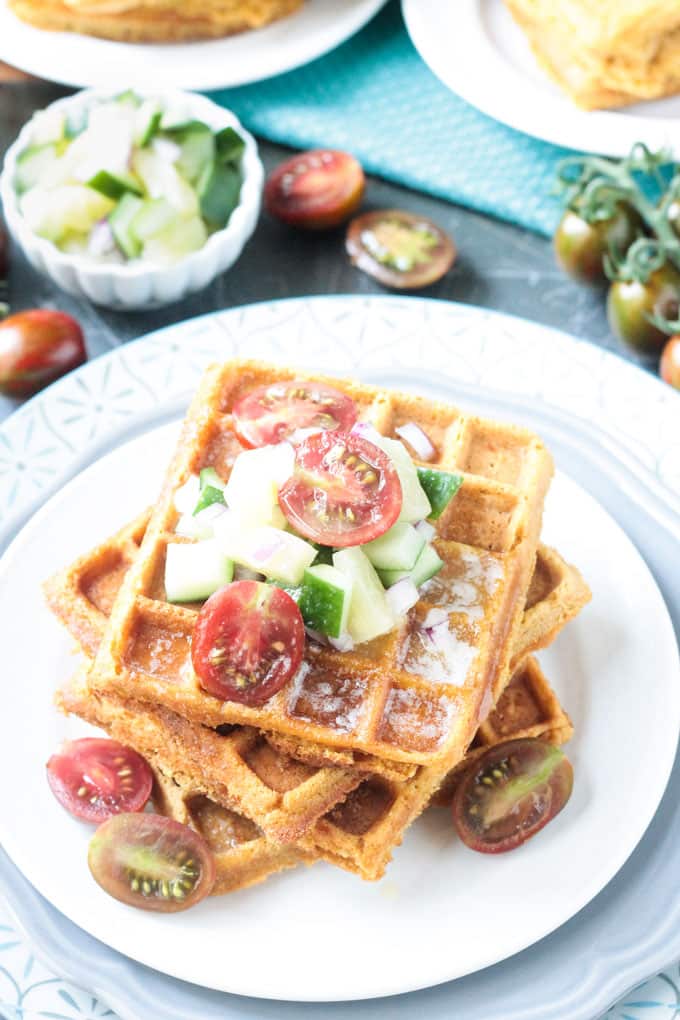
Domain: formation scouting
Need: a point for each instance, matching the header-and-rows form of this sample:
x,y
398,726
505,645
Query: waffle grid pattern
x,y
386,699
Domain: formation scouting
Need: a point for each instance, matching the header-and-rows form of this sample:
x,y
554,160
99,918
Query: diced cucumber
x,y
34,163
154,216
415,505
47,126
252,491
114,185
325,599
426,566
218,189
128,99
369,613
147,122
212,490
187,495
202,525
176,241
74,244
397,549
161,180
194,572
440,487
269,551
71,208
229,145
121,220
197,150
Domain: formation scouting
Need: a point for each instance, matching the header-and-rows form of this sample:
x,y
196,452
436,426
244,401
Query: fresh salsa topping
x,y
511,792
270,414
131,181
95,778
248,642
316,190
344,490
151,862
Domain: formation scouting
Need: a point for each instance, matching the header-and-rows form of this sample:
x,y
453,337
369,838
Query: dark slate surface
x,y
499,266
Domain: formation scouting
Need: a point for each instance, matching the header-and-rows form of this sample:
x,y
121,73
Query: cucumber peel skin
x,y
229,145
397,549
120,221
325,600
426,566
218,190
212,490
440,488
114,185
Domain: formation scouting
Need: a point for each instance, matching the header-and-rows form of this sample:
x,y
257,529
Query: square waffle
x,y
391,698
266,784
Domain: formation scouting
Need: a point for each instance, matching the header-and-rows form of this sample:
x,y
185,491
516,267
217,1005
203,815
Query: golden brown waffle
x,y
243,855
360,833
391,698
152,21
608,53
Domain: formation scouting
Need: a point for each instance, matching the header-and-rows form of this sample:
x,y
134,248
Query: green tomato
x,y
581,246
629,304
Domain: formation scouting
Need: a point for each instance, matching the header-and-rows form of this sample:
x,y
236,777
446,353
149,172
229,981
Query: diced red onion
x,y
317,636
365,430
265,551
402,596
344,643
101,241
417,440
434,618
425,529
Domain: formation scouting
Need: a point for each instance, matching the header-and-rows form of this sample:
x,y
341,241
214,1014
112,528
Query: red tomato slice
x,y
344,490
95,778
275,412
317,189
248,642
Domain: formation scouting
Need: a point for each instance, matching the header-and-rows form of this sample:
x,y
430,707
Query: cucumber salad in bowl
x,y
107,193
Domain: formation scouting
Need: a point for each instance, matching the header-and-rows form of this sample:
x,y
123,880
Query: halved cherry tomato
x,y
270,414
509,793
248,641
151,862
344,490
37,347
399,249
316,189
670,362
95,778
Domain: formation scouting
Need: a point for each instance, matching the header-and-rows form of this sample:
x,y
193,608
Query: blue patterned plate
x,y
626,451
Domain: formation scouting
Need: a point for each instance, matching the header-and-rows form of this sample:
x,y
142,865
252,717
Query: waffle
x,y
152,21
360,833
388,698
243,855
608,53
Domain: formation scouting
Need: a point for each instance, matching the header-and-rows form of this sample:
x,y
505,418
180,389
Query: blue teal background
x,y
375,97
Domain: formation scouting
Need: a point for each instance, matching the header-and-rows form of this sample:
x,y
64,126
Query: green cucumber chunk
x,y
218,190
415,506
229,145
397,549
120,222
369,612
194,572
114,185
153,217
426,566
269,551
212,490
197,150
34,163
147,122
176,241
128,98
325,599
440,487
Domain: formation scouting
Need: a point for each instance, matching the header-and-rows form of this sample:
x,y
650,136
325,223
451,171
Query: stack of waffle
x,y
340,762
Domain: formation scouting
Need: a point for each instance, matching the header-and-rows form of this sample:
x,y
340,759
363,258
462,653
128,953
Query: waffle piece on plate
x,y
605,54
151,21
394,697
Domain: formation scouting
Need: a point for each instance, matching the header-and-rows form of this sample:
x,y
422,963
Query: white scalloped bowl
x,y
138,285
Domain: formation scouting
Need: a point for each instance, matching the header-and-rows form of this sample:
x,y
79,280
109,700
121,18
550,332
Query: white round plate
x,y
319,933
82,60
478,51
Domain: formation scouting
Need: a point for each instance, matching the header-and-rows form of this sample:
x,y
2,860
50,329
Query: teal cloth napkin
x,y
375,97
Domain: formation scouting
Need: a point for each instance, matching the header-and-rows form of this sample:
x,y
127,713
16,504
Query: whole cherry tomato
x,y
37,347
630,303
316,190
580,246
670,362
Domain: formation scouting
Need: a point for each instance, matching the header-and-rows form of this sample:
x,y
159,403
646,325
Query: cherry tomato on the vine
x,y
580,246
37,347
630,303
669,366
